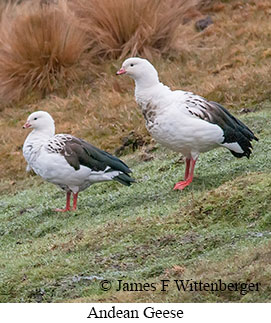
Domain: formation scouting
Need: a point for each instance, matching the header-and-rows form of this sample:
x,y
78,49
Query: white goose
x,y
183,121
69,162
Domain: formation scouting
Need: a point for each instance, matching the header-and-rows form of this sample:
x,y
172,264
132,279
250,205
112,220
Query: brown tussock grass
x,y
40,46
118,28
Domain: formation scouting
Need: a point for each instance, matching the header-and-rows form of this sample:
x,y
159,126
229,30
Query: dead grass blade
x,y
40,46
118,28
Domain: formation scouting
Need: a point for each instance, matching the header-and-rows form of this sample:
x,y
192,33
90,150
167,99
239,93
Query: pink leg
x,y
68,199
75,196
181,185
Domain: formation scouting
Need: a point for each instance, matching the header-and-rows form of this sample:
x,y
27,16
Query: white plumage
x,y
67,161
183,121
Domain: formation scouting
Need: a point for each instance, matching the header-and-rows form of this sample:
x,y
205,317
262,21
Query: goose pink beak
x,y
121,71
26,125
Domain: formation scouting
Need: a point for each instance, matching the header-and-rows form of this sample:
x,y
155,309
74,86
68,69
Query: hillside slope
x,y
218,228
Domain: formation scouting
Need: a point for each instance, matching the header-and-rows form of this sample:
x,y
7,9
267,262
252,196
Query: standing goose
x,y
183,121
69,162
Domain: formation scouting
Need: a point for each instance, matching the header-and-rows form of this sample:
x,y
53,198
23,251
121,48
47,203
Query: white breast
x,y
173,125
53,167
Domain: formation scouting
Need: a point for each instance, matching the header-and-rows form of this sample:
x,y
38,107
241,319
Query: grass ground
x,y
218,228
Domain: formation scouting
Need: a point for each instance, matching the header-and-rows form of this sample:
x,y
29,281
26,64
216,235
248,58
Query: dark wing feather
x,y
79,152
234,122
72,153
234,129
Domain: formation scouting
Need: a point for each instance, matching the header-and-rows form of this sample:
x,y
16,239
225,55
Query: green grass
x,y
218,228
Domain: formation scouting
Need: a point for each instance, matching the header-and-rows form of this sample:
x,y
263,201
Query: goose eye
x,y
131,65
35,118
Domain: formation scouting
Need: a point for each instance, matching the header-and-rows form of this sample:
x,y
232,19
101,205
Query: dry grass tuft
x,y
40,45
118,28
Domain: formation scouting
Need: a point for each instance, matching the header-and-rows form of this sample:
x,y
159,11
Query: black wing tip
x,y
124,179
246,153
246,146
